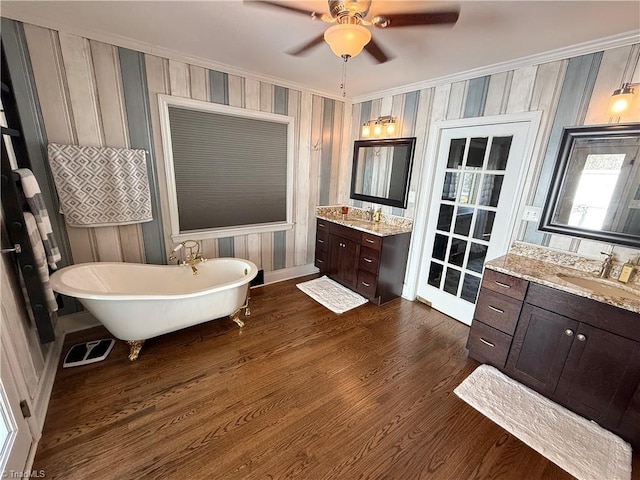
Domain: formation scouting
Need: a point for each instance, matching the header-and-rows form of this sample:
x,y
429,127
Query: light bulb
x,y
377,129
366,130
619,103
390,128
620,100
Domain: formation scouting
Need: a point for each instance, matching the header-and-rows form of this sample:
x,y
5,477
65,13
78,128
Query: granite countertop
x,y
550,274
357,218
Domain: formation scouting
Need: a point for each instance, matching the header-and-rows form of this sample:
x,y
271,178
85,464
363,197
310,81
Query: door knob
x,y
581,337
568,332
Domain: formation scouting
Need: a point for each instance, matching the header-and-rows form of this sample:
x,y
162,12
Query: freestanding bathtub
x,y
136,302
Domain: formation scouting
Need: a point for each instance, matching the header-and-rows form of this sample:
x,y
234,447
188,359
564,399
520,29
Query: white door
x,y
472,211
15,435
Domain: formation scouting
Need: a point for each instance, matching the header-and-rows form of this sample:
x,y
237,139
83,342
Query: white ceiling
x,y
250,39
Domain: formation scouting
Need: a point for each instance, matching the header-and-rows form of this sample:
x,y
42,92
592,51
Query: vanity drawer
x,y
322,240
488,345
367,283
345,232
497,310
505,284
322,225
369,260
322,260
372,241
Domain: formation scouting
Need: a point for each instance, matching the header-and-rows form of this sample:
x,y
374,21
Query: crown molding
x,y
607,43
147,48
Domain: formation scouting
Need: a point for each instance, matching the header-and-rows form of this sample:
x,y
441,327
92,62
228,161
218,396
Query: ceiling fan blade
x,y
307,46
373,49
284,7
419,18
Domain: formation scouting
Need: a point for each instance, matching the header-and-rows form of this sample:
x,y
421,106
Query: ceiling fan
x,y
349,36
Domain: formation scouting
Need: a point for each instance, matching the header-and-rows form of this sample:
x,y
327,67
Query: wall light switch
x,y
412,197
531,213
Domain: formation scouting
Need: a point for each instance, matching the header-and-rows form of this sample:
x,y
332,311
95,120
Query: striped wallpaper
x,y
93,93
574,91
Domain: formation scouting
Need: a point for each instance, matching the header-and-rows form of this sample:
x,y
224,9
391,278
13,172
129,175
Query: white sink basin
x,y
601,286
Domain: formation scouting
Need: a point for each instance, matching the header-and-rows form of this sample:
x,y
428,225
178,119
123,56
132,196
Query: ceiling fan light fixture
x,y
347,40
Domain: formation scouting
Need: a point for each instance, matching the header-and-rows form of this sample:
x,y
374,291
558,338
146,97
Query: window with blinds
x,y
229,169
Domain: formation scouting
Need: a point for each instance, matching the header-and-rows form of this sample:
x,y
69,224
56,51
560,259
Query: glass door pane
x,y
472,185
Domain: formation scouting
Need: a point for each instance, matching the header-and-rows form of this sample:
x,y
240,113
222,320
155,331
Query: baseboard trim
x,y
42,395
75,322
288,273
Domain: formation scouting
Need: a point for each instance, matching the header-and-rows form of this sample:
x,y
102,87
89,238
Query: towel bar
x,y
16,248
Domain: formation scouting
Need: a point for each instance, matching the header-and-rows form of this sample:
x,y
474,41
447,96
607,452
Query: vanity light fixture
x,y
621,99
380,127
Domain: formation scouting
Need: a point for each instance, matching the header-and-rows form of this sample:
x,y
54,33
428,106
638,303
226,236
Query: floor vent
x,y
89,352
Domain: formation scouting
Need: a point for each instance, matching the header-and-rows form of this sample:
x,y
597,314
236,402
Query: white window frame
x,y
164,102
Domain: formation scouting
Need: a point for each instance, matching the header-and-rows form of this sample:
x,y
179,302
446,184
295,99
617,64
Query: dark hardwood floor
x,y
299,392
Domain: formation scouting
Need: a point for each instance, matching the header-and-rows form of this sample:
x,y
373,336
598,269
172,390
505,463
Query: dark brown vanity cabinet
x,y
322,246
344,252
579,352
372,265
496,316
540,348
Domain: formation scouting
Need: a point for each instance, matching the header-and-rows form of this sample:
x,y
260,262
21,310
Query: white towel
x,y
32,193
101,186
40,260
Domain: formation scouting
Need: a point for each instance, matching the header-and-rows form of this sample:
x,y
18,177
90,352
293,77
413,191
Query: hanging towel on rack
x,y
40,260
101,186
34,198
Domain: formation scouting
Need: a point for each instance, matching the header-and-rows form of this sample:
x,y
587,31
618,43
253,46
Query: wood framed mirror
x,y
595,190
382,170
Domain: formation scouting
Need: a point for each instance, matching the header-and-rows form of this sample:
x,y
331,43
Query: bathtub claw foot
x,y
236,318
134,348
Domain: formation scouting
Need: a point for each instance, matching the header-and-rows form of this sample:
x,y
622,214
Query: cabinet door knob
x,y
581,337
568,332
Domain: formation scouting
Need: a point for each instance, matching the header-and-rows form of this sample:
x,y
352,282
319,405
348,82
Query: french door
x,y
472,211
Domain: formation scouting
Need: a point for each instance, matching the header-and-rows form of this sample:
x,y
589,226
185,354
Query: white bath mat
x,y
331,294
577,445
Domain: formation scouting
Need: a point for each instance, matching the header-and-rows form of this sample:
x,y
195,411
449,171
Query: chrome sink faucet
x,y
370,213
607,264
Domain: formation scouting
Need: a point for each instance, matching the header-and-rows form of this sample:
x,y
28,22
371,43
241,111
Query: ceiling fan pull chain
x,y
343,85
